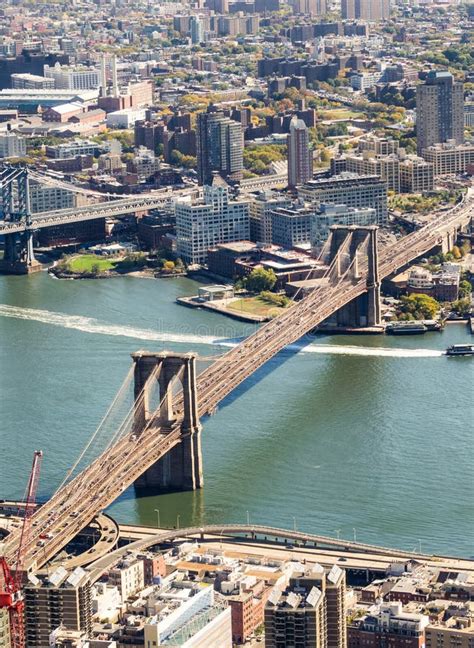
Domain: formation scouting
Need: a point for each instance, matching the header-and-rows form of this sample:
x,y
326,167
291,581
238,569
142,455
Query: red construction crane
x,y
11,595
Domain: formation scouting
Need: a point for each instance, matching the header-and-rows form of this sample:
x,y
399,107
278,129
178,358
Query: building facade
x,y
12,145
31,81
328,215
369,10
45,199
202,225
349,189
449,158
439,110
416,175
390,626
220,145
61,599
291,226
261,207
385,166
300,156
73,78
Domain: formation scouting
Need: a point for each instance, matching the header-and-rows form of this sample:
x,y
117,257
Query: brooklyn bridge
x,y
159,444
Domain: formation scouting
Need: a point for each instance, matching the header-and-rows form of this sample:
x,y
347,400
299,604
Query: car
x,y
342,559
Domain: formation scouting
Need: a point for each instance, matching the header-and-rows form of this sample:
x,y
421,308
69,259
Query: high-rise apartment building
x,y
300,156
439,110
370,10
196,29
296,619
61,599
349,189
220,146
310,7
336,608
310,613
216,219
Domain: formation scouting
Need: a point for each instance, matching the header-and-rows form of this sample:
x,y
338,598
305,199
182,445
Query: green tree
x,y
260,280
178,158
462,307
419,306
465,289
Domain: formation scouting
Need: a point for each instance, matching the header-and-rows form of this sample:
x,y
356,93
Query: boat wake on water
x,y
95,327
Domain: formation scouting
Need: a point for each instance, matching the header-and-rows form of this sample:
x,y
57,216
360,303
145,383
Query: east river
x,y
360,436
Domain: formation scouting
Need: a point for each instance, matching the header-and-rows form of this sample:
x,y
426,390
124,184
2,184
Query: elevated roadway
x,y
97,486
282,544
108,209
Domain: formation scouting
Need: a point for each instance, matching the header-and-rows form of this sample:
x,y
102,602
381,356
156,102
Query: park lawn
x,y
255,306
339,113
85,262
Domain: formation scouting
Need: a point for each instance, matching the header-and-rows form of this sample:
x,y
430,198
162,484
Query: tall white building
x,y
73,78
215,219
12,145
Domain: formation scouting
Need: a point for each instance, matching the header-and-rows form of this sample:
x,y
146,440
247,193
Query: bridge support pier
x,y
18,256
181,468
449,241
360,244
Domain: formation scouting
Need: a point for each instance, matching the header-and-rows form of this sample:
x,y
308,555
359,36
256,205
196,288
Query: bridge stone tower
x,y
15,195
360,245
181,467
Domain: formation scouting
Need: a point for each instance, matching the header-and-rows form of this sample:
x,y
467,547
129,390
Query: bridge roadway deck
x,y
92,212
97,486
267,541
109,209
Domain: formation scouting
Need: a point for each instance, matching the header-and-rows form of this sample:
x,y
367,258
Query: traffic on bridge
x,y
98,485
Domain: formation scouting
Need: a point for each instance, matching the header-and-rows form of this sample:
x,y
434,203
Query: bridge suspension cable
x,y
118,396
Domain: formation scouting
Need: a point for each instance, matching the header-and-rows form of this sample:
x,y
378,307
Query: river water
x,y
369,436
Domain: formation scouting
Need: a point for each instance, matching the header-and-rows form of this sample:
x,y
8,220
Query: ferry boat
x,y
460,350
406,328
